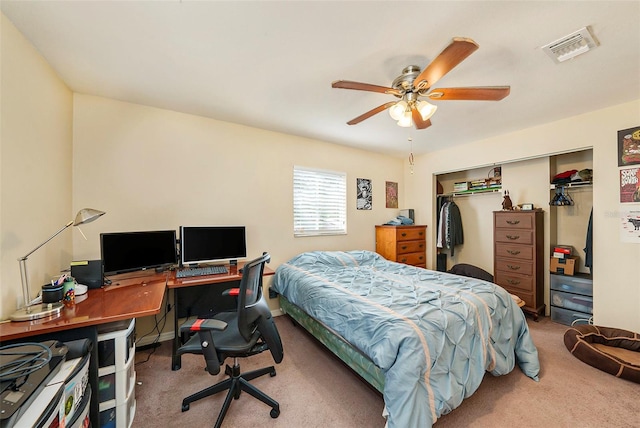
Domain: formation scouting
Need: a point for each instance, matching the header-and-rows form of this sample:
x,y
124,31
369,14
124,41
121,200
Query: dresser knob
x,y
512,267
513,237
513,282
513,221
513,252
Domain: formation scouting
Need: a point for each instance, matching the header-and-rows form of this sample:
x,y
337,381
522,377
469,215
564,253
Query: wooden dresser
x,y
404,244
518,256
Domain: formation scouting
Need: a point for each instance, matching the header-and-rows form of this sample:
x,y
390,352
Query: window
x,y
319,202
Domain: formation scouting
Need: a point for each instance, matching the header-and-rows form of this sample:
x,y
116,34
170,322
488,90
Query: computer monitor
x,y
210,244
130,251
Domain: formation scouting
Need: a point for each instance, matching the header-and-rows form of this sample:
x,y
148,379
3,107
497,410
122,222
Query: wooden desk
x,y
183,286
128,297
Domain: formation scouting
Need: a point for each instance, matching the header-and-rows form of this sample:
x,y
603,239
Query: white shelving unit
x,y
576,184
470,192
116,373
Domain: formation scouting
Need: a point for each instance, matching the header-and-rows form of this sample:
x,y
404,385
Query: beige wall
x,y
35,168
616,278
156,169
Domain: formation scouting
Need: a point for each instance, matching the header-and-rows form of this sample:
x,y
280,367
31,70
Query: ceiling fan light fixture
x,y
398,109
426,109
405,121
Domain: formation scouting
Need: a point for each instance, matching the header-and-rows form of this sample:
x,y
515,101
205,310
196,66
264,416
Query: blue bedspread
x,y
433,334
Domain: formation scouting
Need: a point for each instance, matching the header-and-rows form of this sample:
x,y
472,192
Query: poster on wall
x,y
629,146
391,191
630,226
365,198
630,185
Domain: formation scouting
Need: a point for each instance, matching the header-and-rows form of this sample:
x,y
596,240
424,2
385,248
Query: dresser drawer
x,y
410,234
515,266
572,284
574,302
405,247
513,221
412,258
521,252
514,282
519,236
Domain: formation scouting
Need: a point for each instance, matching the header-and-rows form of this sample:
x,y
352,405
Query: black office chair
x,y
248,331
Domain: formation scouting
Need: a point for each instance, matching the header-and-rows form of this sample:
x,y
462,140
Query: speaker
x,y
441,262
408,213
87,272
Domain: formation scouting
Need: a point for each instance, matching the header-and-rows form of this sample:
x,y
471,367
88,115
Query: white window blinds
x,y
319,202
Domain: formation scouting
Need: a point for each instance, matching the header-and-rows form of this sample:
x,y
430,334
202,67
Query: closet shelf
x,y
573,184
474,191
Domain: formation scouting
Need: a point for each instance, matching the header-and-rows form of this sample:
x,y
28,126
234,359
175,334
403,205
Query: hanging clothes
x,y
588,249
450,231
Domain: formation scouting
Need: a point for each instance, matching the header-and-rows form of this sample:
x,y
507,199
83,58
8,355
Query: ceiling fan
x,y
414,83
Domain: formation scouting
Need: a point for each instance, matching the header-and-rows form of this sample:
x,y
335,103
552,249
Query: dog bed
x,y
611,350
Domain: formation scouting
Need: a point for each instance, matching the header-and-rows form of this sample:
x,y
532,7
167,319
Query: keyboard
x,y
201,271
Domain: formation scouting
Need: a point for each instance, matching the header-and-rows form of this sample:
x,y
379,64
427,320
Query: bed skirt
x,y
351,356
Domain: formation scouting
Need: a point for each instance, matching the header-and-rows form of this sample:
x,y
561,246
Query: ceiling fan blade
x,y
417,119
347,84
370,113
478,93
452,55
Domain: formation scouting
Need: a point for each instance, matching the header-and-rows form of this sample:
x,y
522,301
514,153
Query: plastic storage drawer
x,y
567,316
121,415
81,417
572,284
116,347
116,385
574,302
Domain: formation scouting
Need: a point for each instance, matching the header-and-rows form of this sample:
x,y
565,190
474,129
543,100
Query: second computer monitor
x,y
210,244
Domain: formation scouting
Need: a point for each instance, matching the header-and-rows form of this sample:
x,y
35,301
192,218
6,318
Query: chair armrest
x,y
231,292
234,292
207,324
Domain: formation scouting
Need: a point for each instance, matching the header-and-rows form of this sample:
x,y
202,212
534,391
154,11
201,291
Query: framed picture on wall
x,y
630,185
630,226
629,146
391,191
365,198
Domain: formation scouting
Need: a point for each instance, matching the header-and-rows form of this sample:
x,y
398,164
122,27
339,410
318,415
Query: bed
x,y
423,338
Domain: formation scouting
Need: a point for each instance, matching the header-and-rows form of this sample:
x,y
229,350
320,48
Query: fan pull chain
x,y
410,154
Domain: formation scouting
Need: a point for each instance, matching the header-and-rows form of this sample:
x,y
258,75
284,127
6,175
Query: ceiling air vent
x,y
570,46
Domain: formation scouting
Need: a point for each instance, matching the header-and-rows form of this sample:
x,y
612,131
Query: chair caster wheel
x,y
185,407
275,413
272,374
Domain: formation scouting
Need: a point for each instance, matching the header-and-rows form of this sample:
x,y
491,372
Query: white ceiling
x,y
270,64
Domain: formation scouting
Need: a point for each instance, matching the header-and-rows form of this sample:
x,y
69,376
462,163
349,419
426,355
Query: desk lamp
x,y
31,312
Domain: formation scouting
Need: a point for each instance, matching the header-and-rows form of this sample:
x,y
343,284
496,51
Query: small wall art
x,y
629,146
630,185
391,191
630,226
365,198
